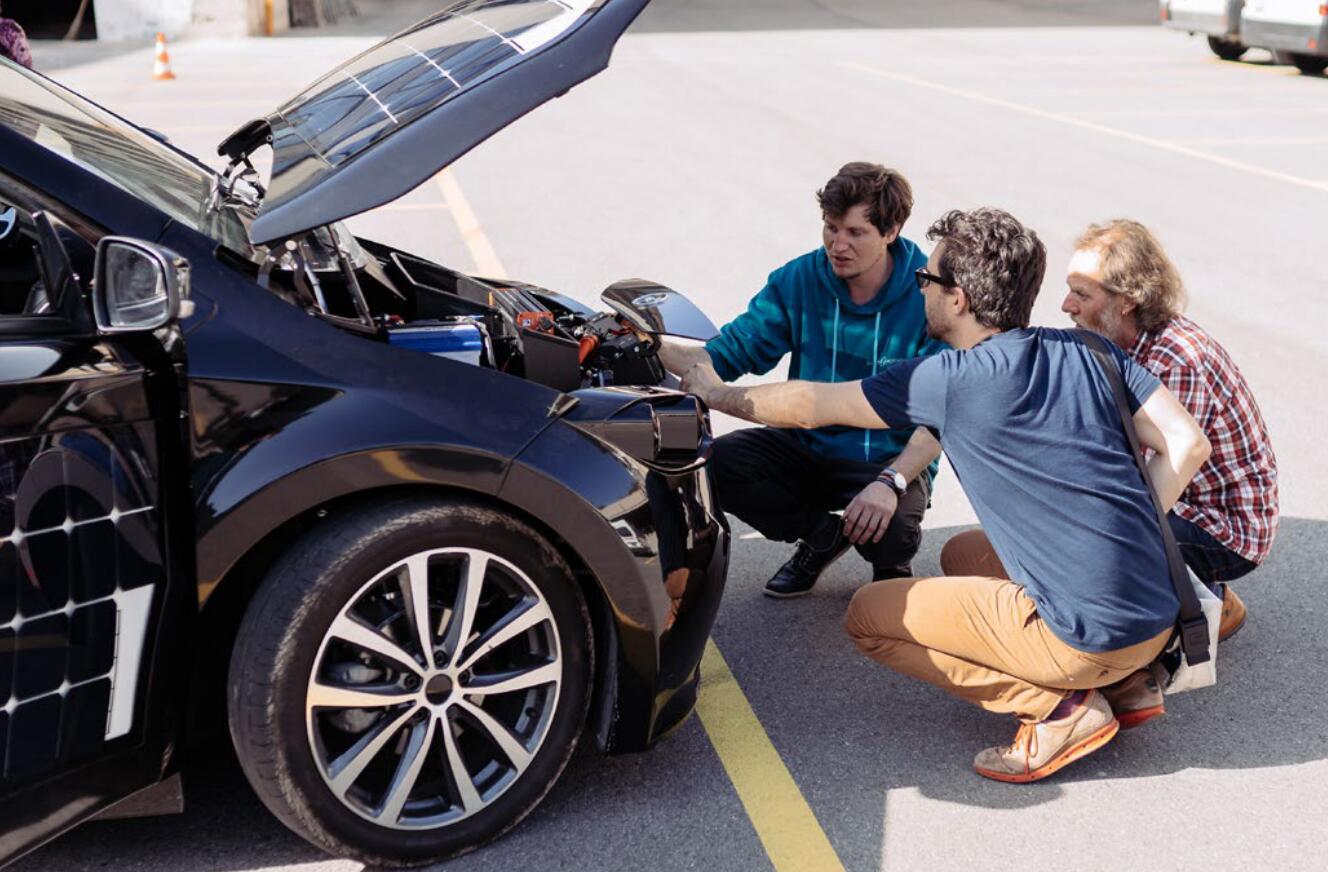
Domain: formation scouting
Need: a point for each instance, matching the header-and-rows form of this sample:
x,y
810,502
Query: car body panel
x,y
1278,25
655,309
660,547
91,606
1219,18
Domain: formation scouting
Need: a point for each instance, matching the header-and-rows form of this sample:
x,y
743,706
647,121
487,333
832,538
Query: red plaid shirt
x,y
1233,497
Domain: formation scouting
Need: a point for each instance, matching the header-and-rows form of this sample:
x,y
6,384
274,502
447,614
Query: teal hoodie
x,y
805,309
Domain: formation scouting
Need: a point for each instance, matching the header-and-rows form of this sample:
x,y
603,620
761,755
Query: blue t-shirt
x,y
1029,424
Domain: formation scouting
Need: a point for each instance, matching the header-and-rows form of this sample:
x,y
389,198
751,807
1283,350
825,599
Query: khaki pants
x,y
980,638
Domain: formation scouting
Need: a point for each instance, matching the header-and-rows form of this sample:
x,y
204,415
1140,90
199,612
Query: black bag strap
x,y
1193,624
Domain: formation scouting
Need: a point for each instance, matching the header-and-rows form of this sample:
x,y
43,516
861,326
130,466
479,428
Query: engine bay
x,y
410,302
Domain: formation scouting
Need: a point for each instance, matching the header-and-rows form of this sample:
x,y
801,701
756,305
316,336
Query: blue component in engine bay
x,y
458,339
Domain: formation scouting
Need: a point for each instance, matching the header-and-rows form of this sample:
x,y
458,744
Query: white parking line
x,y
1160,144
1224,112
1255,140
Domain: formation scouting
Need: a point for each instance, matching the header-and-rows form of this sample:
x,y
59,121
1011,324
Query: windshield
x,y
118,152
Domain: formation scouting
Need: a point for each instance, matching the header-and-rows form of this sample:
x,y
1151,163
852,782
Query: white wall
x,y
121,20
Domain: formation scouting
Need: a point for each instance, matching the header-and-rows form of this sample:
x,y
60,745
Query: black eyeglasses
x,y
925,278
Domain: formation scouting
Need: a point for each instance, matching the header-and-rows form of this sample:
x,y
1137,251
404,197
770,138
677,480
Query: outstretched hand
x,y
869,514
701,379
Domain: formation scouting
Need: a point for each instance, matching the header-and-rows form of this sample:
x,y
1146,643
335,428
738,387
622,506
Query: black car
x,y
406,532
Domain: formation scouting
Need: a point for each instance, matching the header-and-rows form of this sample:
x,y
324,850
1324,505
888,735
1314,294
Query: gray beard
x,y
1109,325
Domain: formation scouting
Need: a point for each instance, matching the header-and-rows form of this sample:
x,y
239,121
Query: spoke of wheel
x,y
346,768
408,770
333,696
509,681
470,797
352,631
477,565
513,624
415,586
510,745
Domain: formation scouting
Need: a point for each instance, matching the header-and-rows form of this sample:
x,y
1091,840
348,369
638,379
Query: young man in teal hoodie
x,y
844,312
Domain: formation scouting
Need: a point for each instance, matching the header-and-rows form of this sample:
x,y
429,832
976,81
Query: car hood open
x,y
389,119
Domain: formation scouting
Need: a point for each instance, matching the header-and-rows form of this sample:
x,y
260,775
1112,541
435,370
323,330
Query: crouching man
x,y
841,312
1123,285
1027,418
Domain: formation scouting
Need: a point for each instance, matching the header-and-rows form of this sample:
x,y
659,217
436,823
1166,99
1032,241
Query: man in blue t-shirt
x,y
1028,420
842,312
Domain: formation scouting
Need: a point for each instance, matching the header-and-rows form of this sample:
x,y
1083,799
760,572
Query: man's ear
x,y
961,297
1128,305
892,234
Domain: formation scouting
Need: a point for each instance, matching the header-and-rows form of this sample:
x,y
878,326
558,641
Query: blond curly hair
x,y
1135,265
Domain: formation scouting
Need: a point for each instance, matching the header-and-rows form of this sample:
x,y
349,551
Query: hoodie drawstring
x,y
834,343
876,347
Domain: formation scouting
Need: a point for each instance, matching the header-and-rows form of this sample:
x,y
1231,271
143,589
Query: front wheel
x,y
1310,65
1226,49
410,680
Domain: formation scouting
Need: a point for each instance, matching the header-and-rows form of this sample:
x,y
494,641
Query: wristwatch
x,y
895,479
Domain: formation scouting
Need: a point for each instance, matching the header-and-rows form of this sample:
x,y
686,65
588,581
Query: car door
x,y
89,615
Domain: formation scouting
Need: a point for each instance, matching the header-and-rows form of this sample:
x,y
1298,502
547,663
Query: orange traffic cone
x,y
161,67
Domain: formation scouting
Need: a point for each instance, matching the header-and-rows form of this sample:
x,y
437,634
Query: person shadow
x,y
869,737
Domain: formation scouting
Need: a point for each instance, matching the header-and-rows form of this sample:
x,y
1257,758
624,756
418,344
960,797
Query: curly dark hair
x,y
885,192
996,260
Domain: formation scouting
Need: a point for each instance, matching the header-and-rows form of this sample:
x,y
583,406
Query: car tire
x,y
1310,65
1226,49
331,627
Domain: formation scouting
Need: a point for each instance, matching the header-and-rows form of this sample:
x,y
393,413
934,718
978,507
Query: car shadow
x,y
666,16
850,731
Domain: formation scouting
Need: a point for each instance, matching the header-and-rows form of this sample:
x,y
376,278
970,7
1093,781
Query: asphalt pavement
x,y
692,161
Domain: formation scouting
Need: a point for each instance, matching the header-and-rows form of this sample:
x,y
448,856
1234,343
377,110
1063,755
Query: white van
x,y
1219,20
1297,29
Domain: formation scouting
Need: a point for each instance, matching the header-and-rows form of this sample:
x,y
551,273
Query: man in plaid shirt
x,y
1123,285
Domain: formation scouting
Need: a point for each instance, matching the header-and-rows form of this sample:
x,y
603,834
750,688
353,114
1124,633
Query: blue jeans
x,y
1212,561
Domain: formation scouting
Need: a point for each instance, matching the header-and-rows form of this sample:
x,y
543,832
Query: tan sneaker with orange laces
x,y
1044,747
1135,699
1233,614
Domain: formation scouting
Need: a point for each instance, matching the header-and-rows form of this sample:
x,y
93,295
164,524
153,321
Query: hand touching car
x,y
701,379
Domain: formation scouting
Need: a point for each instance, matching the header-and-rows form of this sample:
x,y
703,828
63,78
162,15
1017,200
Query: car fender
x,y
234,533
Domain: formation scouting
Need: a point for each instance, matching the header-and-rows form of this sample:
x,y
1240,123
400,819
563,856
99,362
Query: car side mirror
x,y
138,286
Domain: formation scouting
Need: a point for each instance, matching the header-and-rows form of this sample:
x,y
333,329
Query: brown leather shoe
x,y
1042,748
1135,699
1233,614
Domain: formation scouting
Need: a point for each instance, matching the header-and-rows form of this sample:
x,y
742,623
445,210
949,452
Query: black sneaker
x,y
799,574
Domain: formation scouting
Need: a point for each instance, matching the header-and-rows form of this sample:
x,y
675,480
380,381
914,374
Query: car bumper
x,y
1281,36
1212,24
653,550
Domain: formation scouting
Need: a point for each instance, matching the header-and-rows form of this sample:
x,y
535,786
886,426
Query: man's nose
x,y
1066,307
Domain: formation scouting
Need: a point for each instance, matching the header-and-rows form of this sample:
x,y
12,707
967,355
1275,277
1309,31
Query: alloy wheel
x,y
434,688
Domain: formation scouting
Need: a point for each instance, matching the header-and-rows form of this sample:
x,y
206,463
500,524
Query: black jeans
x,y
770,480
1212,561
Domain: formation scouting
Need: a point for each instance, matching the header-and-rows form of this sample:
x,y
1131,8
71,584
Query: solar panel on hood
x,y
384,122
395,82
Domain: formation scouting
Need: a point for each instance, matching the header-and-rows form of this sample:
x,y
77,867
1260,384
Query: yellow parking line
x,y
1256,66
784,822
1102,129
481,250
